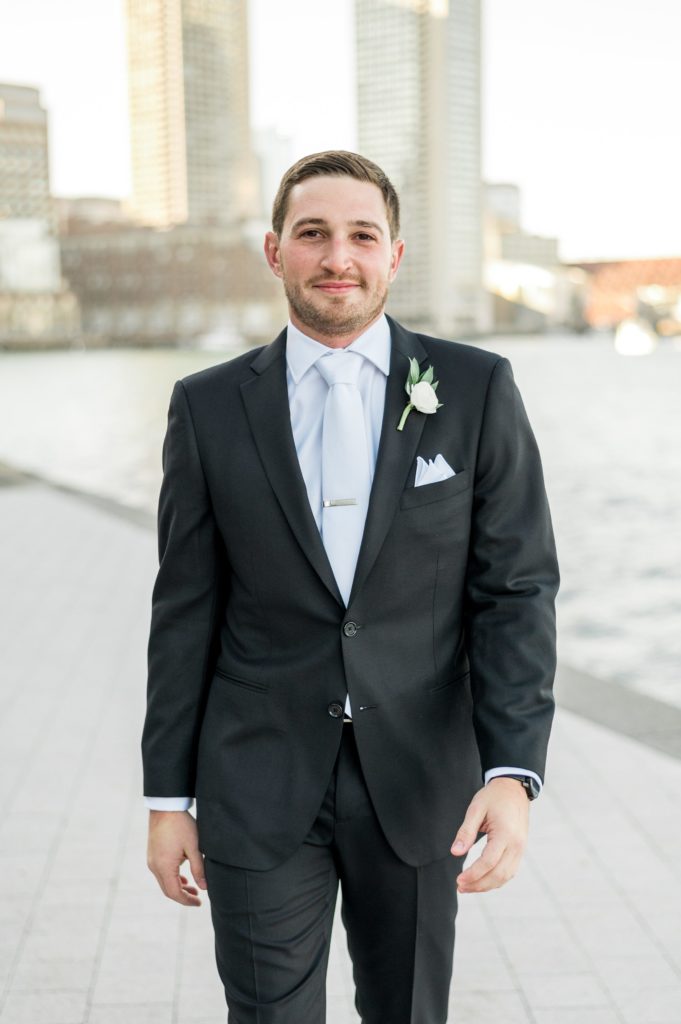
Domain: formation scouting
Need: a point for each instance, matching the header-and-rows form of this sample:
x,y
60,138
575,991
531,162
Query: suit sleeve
x,y
187,598
512,581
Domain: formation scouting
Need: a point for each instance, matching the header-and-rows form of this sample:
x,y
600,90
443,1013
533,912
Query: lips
x,y
337,287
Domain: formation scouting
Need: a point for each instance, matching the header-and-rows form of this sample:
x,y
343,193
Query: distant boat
x,y
635,338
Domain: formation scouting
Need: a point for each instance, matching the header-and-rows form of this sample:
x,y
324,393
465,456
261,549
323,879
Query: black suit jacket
x,y
451,658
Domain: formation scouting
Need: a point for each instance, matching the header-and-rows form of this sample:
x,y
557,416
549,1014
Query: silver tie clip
x,y
331,502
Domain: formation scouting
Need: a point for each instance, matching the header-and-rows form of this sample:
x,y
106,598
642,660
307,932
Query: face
x,y
335,256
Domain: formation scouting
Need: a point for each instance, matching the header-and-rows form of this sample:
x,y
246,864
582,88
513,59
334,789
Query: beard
x,y
335,318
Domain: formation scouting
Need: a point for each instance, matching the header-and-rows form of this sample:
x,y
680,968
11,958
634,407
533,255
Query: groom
x,y
352,641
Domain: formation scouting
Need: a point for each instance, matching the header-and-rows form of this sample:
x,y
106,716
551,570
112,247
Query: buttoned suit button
x,y
335,709
350,628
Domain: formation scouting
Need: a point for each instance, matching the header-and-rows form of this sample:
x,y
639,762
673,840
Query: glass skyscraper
x,y
191,150
419,117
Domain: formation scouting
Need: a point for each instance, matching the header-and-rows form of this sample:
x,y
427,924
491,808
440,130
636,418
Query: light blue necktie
x,y
346,475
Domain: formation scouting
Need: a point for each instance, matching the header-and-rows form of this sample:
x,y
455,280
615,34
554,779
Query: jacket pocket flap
x,y
426,493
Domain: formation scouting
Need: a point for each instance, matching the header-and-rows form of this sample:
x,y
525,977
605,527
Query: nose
x,y
336,258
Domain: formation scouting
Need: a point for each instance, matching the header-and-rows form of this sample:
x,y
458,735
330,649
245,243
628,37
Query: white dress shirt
x,y
307,391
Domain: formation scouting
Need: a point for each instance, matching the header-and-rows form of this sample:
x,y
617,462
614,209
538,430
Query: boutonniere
x,y
421,390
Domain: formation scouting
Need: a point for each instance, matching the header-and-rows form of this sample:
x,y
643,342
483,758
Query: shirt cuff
x,y
168,803
494,773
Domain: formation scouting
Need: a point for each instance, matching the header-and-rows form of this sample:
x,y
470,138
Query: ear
x,y
273,253
396,258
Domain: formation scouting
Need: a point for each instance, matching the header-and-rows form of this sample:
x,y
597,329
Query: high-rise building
x,y
188,83
419,118
24,172
36,306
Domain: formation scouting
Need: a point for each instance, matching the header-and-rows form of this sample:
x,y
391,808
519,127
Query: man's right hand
x,y
173,838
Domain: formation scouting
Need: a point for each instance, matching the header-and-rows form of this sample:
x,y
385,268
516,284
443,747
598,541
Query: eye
x,y
363,236
310,233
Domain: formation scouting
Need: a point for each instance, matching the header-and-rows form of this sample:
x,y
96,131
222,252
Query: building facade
x,y
181,286
529,288
621,290
24,169
192,160
36,307
505,238
419,118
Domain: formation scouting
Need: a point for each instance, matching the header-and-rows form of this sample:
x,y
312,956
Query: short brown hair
x,y
336,163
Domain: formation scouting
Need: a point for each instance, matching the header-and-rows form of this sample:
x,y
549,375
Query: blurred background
x,y
537,151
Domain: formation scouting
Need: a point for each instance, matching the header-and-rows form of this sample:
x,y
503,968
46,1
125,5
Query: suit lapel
x,y
396,451
265,398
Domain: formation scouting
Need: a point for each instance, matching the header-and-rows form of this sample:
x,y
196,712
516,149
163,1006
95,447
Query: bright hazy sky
x,y
580,103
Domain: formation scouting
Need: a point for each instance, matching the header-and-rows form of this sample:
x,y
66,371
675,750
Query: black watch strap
x,y
528,782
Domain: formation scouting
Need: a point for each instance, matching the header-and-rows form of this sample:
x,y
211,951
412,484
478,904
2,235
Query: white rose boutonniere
x,y
421,389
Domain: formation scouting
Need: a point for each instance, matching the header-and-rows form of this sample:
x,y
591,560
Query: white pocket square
x,y
431,471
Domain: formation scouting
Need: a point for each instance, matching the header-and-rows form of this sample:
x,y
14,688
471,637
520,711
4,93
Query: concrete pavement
x,y
588,933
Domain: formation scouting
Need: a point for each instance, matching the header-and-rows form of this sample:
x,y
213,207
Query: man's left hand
x,y
501,811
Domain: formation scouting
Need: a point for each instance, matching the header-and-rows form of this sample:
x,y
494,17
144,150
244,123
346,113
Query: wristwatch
x,y
529,784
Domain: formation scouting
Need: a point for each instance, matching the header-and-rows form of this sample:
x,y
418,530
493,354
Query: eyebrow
x,y
320,221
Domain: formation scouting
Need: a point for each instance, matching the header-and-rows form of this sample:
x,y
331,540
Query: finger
x,y
467,834
197,868
486,862
499,875
172,887
186,886
180,894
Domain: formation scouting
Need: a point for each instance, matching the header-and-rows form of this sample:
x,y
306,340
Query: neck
x,y
336,340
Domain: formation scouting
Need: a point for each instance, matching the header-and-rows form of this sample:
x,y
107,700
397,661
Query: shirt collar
x,y
302,351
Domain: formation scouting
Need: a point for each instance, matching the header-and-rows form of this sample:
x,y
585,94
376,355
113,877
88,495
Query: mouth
x,y
336,287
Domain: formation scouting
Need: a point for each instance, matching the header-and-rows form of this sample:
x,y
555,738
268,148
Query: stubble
x,y
332,318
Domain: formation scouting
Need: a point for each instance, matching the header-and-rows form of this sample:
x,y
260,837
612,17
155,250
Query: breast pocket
x,y
427,493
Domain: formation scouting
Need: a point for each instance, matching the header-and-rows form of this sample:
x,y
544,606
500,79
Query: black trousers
x,y
273,928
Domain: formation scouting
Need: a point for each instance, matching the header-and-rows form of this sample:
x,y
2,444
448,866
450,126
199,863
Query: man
x,y
352,642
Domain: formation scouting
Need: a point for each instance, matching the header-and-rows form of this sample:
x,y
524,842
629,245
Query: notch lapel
x,y
265,397
396,451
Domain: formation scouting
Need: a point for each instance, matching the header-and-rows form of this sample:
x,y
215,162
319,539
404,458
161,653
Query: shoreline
x,y
96,342
623,710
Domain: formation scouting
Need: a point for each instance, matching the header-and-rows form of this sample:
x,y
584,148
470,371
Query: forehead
x,y
336,199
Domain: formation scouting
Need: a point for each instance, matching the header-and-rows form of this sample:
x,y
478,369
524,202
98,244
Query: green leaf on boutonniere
x,y
413,373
